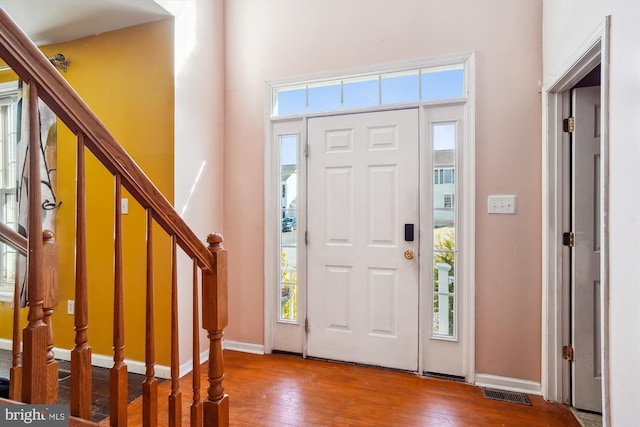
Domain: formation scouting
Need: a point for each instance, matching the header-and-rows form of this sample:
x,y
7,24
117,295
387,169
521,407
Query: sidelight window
x,y
288,228
444,230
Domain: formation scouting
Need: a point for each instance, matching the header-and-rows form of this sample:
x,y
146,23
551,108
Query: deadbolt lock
x,y
408,254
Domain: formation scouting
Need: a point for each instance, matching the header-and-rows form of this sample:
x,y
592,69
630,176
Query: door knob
x,y
408,254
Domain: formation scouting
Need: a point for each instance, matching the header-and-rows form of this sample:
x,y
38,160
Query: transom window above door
x,y
369,90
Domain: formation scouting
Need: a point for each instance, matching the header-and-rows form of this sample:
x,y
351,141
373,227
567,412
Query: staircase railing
x,y
35,380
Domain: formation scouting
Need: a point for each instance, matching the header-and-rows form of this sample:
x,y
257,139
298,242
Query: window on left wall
x,y
8,183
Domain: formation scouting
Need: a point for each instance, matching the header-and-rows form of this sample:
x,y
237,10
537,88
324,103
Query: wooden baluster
x,y
81,354
150,384
15,374
36,334
196,406
214,320
175,398
118,381
50,283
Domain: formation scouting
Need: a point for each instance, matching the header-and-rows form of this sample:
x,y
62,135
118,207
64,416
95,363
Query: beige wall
x,y
566,25
274,39
199,135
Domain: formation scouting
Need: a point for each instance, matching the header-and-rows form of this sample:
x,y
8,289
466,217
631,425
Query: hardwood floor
x,y
281,390
99,386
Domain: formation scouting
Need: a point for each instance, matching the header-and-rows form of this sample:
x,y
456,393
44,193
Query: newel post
x,y
214,320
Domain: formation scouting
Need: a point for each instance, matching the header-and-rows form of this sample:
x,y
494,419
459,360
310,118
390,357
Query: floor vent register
x,y
506,396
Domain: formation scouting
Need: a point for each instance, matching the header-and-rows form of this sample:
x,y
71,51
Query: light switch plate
x,y
501,204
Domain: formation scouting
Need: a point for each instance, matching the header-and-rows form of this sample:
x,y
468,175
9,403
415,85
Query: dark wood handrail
x,y
26,60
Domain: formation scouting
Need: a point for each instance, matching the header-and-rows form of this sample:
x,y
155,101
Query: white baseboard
x,y
6,344
104,361
243,347
133,366
187,367
508,384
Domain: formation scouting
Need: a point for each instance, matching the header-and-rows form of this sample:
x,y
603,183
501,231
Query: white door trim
x,y
468,219
271,190
594,50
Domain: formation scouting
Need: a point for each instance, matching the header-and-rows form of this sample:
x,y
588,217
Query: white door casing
x,y
290,336
363,188
587,381
593,51
444,354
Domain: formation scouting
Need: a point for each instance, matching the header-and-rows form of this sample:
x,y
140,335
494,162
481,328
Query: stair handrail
x,y
31,65
13,238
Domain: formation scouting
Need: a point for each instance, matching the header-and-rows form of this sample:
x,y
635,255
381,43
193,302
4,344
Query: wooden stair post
x,y
50,283
15,374
81,354
118,379
150,384
175,397
196,406
36,333
214,320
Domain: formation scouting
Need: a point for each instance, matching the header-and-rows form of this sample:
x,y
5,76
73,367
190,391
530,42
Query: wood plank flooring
x,y
281,390
99,385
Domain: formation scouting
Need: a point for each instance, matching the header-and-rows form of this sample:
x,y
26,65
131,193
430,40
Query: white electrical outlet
x,y
71,306
124,204
501,204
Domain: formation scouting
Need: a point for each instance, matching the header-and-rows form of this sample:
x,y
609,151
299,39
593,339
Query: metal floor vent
x,y
506,396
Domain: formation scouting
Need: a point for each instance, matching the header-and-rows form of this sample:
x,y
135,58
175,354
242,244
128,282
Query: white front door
x,y
587,383
362,190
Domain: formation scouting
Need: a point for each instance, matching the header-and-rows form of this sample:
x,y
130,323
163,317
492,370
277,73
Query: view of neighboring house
x,y
289,190
444,188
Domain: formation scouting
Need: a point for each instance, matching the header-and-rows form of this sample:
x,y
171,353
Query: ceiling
x,y
54,21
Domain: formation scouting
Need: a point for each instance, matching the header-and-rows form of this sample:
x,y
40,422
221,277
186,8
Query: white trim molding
x,y
508,384
6,344
271,189
244,347
104,361
383,68
555,101
469,220
133,366
187,366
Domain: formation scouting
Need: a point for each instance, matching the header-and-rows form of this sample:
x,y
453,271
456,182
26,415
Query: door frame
x,y
272,177
555,213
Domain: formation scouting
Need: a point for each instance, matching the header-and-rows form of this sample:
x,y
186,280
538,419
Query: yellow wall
x,y
126,78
